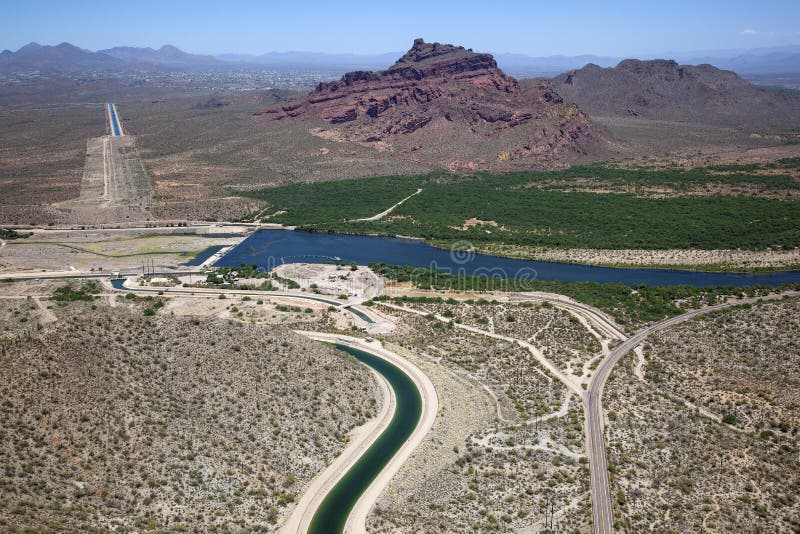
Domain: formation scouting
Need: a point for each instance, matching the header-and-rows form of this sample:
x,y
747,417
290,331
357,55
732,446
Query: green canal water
x,y
333,512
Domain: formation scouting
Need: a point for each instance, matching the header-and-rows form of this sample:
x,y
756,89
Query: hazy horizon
x,y
654,55
362,28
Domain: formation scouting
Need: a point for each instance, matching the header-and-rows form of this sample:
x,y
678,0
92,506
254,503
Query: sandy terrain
x,y
266,310
29,288
506,440
104,249
115,185
703,156
360,284
464,408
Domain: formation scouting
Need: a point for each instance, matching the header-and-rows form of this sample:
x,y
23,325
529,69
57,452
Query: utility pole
x,y
536,419
546,524
549,514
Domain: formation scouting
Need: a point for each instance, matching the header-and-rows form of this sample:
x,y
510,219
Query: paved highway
x,y
605,324
598,464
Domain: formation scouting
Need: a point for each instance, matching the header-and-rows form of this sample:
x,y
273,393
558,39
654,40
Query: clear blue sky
x,y
620,28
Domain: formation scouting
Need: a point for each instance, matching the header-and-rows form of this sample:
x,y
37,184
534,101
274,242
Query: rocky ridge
x,y
437,92
663,89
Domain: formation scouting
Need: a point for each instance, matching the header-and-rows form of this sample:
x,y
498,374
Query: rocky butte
x,y
442,101
664,90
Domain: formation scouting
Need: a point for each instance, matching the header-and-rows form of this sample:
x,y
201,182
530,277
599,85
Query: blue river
x,y
269,248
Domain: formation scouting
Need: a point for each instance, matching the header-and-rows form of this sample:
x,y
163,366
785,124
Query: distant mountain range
x,y
166,55
774,60
63,58
66,58
771,60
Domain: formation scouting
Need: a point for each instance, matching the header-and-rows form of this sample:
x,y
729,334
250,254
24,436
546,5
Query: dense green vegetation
x,y
288,282
68,293
243,271
230,276
542,209
335,201
626,304
10,233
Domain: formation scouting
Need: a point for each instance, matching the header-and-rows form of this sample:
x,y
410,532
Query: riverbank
x,y
707,261
581,207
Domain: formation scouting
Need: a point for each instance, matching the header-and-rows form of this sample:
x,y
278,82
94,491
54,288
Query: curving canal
x,y
332,513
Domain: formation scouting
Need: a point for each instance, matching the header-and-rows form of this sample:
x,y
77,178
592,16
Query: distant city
x,y
170,67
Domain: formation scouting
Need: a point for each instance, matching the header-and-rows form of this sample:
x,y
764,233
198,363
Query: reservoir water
x,y
269,248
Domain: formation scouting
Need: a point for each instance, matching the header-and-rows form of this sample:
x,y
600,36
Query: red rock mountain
x,y
447,102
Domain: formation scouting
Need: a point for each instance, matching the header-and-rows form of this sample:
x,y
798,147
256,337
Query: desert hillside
x,y
115,420
663,89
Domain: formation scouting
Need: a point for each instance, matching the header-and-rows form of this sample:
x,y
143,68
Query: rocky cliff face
x,y
438,96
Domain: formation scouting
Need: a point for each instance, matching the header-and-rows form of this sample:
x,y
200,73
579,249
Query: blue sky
x,y
571,27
